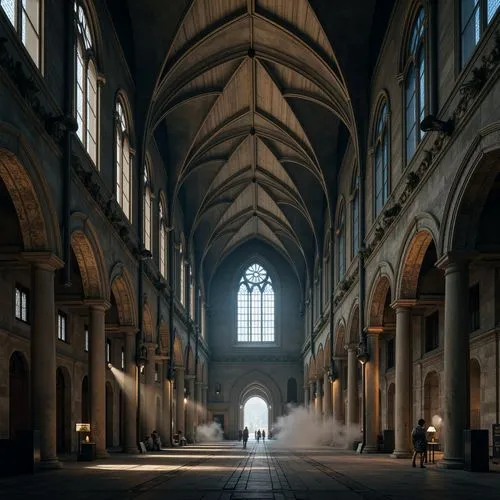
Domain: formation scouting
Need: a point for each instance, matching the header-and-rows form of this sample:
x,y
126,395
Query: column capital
x,y
404,304
352,347
98,304
129,330
44,260
453,260
374,330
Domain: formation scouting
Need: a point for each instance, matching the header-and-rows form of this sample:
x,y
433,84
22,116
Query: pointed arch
x,y
382,284
124,294
178,352
163,235
148,324
423,232
338,350
89,256
29,192
352,337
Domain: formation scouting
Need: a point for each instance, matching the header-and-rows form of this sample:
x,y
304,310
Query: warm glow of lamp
x,y
431,430
185,400
87,439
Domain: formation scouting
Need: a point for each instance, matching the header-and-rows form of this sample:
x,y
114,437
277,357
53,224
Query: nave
x,y
265,470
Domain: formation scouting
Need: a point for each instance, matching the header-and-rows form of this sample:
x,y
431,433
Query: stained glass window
x,y
255,306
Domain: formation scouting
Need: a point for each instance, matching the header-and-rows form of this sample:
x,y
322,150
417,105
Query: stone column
x,y
337,401
327,403
404,390
372,394
352,393
319,398
306,396
312,390
190,407
205,404
179,394
43,356
148,410
130,395
97,375
456,360
166,429
199,404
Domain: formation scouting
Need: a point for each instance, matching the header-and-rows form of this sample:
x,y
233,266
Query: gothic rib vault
x,y
253,99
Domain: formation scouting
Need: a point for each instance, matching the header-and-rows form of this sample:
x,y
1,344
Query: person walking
x,y
419,439
245,437
258,435
240,435
263,434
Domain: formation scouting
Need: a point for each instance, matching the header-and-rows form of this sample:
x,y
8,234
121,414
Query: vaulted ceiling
x,y
255,107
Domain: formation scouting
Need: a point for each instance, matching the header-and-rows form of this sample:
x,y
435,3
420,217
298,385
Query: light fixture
x,y
185,400
432,124
241,407
363,354
431,430
109,366
270,406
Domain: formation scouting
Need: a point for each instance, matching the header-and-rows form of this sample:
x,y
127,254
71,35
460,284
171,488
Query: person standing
x,y
263,434
245,437
240,435
258,435
419,439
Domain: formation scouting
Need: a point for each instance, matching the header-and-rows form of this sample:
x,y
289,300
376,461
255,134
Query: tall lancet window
x,y
148,209
86,84
255,306
123,169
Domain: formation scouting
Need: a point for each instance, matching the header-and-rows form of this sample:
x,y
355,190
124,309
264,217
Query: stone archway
x,y
475,394
29,194
123,293
255,415
63,410
19,394
378,301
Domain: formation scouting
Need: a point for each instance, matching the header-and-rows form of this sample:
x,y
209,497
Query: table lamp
x,y
431,430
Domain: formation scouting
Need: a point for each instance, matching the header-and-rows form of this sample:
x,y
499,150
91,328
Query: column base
x,y
401,454
51,463
102,454
131,450
370,449
451,463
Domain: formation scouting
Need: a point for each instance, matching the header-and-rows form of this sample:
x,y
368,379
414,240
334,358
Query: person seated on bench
x,y
156,443
182,439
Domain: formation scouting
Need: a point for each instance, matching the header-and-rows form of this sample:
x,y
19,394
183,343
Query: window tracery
x,y
123,169
381,145
255,306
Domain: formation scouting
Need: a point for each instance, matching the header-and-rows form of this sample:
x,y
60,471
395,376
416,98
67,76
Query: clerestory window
x,y
86,98
415,85
475,16
148,209
26,18
381,173
123,168
255,306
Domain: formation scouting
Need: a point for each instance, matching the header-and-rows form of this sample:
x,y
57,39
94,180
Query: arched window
x,y
255,306
26,18
341,243
381,146
182,273
123,170
86,84
191,293
475,16
163,243
148,209
355,214
415,84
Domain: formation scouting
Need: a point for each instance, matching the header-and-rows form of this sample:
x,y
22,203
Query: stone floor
x,y
262,471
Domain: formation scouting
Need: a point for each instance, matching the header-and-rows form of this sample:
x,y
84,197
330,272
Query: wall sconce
x,y
332,372
270,407
141,357
241,407
432,124
217,389
109,366
363,354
